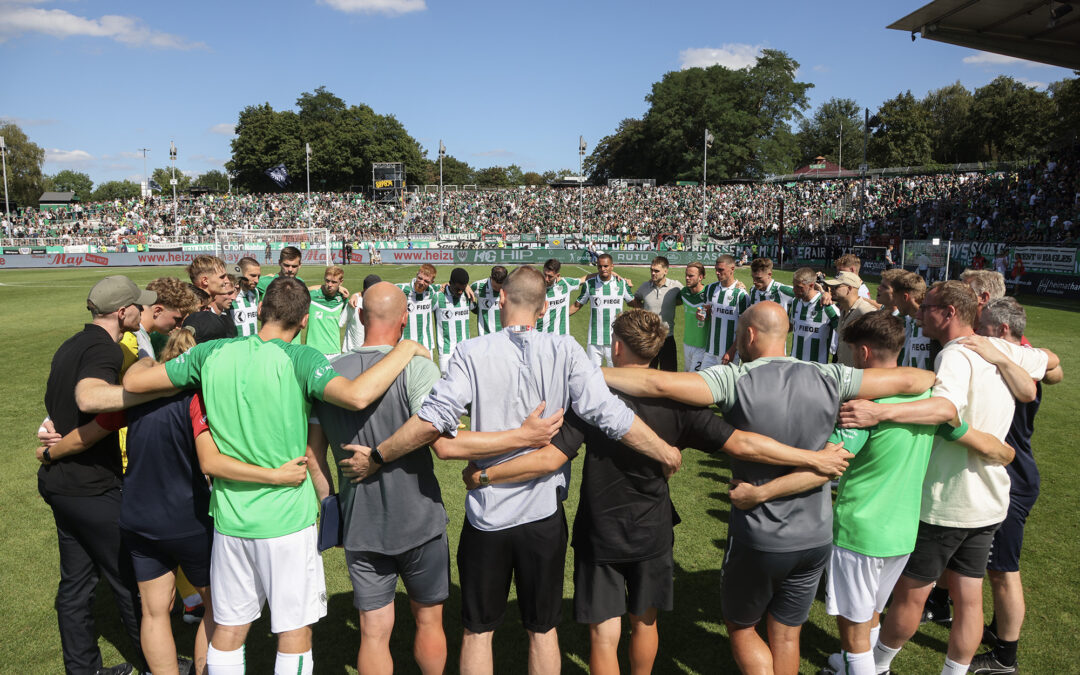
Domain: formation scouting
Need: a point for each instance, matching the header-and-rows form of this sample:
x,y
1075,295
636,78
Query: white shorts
x,y
709,360
858,585
693,358
286,570
444,361
599,355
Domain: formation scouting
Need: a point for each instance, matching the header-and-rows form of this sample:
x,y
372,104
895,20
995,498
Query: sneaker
x,y
940,613
988,638
835,666
194,614
122,669
987,664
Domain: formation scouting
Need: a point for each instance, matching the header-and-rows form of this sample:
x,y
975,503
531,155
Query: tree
x,y
71,181
1010,120
820,135
902,137
1065,95
455,171
951,132
500,176
24,161
162,177
116,189
214,180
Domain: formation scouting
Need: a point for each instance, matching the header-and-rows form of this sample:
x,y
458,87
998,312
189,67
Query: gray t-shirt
x,y
400,506
794,402
660,300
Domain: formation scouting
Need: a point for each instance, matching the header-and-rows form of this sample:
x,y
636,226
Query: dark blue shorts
x,y
1009,538
152,558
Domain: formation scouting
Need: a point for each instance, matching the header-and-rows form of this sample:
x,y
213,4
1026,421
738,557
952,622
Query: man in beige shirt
x,y
845,293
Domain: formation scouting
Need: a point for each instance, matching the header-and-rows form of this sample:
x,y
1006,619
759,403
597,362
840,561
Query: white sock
x,y
293,664
859,664
224,663
953,668
883,656
874,633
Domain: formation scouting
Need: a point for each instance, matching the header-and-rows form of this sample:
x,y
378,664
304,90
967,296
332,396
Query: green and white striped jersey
x,y
245,312
488,314
420,326
812,327
557,317
726,305
451,321
775,291
605,302
916,351
326,316
695,330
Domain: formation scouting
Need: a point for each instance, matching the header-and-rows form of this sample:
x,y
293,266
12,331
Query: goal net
x,y
265,245
928,257
872,259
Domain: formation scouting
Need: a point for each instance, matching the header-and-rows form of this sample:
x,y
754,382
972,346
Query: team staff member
x,y
354,324
623,530
660,295
845,292
965,494
695,332
776,551
258,392
83,490
517,531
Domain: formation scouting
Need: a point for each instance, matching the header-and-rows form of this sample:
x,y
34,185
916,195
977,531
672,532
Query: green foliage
x,y
950,120
903,136
24,161
1010,119
748,111
116,189
1066,118
213,180
820,135
71,181
162,176
345,141
500,176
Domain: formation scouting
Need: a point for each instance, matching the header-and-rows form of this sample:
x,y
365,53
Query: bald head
x,y
384,311
762,331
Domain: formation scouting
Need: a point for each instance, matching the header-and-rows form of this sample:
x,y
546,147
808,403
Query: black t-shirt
x,y
625,513
91,353
1023,470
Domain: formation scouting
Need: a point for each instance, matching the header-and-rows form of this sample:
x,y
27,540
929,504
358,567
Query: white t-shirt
x,y
354,329
961,489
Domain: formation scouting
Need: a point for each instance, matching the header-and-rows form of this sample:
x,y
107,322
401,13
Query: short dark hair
x,y
641,331
661,260
961,297
551,265
289,253
459,275
499,273
247,262
880,330
605,255
286,302
698,266
761,265
726,258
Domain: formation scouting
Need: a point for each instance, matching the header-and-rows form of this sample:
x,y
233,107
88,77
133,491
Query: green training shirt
x,y
695,330
258,399
326,316
264,283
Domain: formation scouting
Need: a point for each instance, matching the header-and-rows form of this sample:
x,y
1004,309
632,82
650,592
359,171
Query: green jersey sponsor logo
x,y
812,327
557,317
605,300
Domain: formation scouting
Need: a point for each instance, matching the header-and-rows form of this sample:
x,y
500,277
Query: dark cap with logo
x,y
112,293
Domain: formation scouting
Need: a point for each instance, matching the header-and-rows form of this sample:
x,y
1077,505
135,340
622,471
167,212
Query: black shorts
x,y
533,555
1009,538
783,585
602,592
960,549
152,558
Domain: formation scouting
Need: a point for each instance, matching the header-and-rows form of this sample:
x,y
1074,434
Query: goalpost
x,y
933,255
264,245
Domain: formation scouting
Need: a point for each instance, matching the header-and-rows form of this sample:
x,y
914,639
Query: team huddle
x,y
921,404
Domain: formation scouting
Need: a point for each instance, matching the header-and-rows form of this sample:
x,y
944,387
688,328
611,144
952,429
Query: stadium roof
x,y
1034,30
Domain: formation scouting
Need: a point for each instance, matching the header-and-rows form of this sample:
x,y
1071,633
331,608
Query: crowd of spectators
x,y
1038,203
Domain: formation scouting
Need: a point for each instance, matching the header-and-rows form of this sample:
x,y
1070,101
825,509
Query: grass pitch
x,y
42,308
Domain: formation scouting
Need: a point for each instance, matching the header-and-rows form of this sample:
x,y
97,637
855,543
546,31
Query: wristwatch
x,y
484,480
47,456
376,456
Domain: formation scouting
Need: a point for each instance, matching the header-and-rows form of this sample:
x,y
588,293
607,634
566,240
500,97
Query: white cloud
x,y
1032,83
821,68
58,156
734,55
389,7
16,20
127,154
991,59
225,129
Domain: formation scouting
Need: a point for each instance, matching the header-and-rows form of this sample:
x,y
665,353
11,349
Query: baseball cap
x,y
206,326
845,279
114,292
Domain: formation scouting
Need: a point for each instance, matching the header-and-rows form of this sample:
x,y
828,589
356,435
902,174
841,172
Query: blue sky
x,y
500,82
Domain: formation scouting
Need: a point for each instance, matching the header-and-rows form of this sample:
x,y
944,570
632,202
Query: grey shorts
x,y
602,592
425,570
783,585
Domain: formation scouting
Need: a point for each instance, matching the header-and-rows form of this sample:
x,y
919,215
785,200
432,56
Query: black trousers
x,y
90,546
668,356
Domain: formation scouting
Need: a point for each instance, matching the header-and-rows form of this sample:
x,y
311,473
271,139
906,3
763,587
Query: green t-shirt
x,y
258,398
695,330
877,504
325,318
264,283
